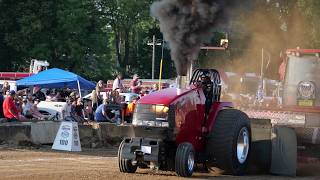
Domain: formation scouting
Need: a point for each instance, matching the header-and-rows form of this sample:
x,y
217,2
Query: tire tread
x,y
220,144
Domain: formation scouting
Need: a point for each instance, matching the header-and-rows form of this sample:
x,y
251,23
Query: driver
x,y
207,87
205,79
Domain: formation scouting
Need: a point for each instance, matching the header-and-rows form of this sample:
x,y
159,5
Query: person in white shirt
x,y
30,109
155,87
117,84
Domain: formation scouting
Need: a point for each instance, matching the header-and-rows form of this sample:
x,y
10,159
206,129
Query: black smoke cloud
x,y
185,24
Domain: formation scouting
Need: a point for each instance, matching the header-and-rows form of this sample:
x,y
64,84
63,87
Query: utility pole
x,y
263,67
161,63
153,44
262,63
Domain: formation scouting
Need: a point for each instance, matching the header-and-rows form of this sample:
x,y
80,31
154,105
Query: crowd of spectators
x,y
23,105
102,106
114,106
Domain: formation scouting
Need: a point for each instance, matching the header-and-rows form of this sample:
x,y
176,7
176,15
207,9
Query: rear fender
x,y
213,113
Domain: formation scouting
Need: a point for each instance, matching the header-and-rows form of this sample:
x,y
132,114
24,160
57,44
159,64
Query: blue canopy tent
x,y
57,78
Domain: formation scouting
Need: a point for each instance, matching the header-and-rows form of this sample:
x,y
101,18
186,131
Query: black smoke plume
x,y
185,24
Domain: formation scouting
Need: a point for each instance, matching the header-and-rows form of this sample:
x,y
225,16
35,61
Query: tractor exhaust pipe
x,y
181,82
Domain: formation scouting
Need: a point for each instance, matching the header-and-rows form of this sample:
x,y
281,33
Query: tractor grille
x,y
144,112
150,115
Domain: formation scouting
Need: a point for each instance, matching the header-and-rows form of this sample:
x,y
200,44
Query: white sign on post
x,y
67,138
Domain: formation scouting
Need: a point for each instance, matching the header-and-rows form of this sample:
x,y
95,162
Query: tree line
x,y
97,38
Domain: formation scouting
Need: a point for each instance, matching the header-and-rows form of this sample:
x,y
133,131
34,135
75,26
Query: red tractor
x,y
176,128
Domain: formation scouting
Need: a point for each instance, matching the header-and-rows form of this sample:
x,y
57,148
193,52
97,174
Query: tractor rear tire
x,y
184,161
125,165
229,142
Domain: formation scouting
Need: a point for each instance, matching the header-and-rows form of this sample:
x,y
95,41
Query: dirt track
x,y
44,163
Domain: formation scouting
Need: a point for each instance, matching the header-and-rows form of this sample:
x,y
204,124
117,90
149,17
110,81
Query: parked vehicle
x,y
54,110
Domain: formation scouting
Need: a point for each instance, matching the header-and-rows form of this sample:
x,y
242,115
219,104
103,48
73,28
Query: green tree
x,y
129,23
94,38
67,33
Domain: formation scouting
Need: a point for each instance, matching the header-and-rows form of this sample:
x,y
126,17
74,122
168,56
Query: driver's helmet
x,y
205,76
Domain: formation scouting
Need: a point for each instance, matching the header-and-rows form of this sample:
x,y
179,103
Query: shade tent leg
x,y
79,89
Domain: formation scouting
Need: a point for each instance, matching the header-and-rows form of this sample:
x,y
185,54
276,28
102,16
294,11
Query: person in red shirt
x,y
10,110
135,84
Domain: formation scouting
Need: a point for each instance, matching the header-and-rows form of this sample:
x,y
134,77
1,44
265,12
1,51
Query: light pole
x,y
153,44
161,62
262,70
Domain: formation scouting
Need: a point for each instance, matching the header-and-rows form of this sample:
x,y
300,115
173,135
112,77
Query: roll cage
x,y
212,83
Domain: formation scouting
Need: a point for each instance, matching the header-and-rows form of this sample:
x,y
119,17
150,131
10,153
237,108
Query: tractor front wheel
x,y
125,165
229,142
184,162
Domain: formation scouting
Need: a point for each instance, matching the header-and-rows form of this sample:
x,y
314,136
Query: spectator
x,y
77,109
89,111
115,97
53,95
73,96
100,113
65,93
1,104
94,100
26,106
49,95
23,92
123,106
35,111
39,94
99,89
135,84
10,111
7,93
123,99
30,109
117,84
18,103
130,109
5,87
143,93
58,96
155,87
103,114
69,104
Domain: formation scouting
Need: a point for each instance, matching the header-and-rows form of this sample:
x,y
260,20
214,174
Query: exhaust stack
x,y
181,83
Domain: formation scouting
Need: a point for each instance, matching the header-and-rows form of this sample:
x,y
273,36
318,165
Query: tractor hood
x,y
165,96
